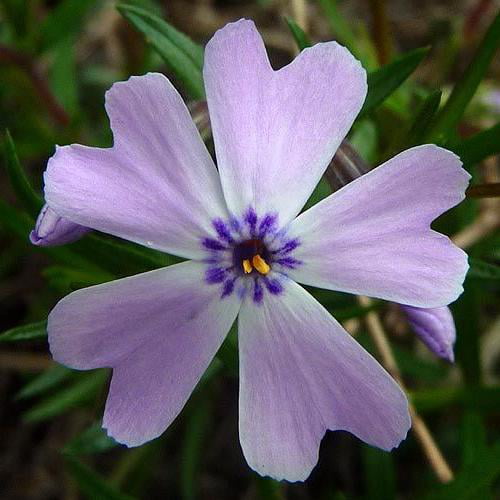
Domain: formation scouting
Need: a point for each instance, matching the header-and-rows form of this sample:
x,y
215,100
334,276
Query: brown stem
x,y
381,30
25,63
489,190
424,437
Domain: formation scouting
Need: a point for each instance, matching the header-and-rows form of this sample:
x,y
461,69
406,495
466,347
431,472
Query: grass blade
x,y
301,39
180,53
464,90
384,81
18,179
33,331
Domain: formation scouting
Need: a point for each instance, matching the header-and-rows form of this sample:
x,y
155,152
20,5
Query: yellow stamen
x,y
260,264
247,267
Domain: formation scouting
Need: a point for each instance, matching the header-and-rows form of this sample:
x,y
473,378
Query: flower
x,y
435,327
239,224
51,229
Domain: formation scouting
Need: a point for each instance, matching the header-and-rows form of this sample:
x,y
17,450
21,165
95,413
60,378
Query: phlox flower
x,y
248,246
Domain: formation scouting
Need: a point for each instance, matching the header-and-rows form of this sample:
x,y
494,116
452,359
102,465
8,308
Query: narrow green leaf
x,y
33,331
92,485
65,20
380,480
66,278
83,390
480,146
384,81
466,314
62,75
354,311
451,113
364,139
301,39
180,53
483,270
120,258
93,440
425,114
16,14
359,44
46,381
18,179
484,399
474,445
192,449
472,479
473,437
422,370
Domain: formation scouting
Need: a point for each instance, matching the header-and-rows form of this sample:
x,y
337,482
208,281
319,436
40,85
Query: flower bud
x,y
52,230
435,327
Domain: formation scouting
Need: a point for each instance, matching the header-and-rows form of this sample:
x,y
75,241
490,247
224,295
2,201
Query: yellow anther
x,y
247,267
260,264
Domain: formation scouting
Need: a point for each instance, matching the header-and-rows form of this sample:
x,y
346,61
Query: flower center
x,y
241,251
251,255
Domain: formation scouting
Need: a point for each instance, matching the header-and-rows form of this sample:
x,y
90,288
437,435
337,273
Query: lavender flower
x,y
52,230
274,133
435,327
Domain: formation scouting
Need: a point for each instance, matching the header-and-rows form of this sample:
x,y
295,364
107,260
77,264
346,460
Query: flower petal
x,y
276,131
301,373
435,327
52,230
156,186
158,331
373,236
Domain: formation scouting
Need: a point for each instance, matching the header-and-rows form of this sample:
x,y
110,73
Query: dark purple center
x,y
247,250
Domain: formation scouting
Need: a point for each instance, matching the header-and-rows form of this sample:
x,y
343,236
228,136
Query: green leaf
x,y
180,53
425,114
93,486
451,113
472,479
380,481
483,270
301,39
422,370
353,312
68,279
360,46
18,179
384,81
364,139
33,331
466,314
120,258
484,399
83,390
474,444
480,146
64,21
473,437
93,440
16,13
46,381
62,75
192,450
